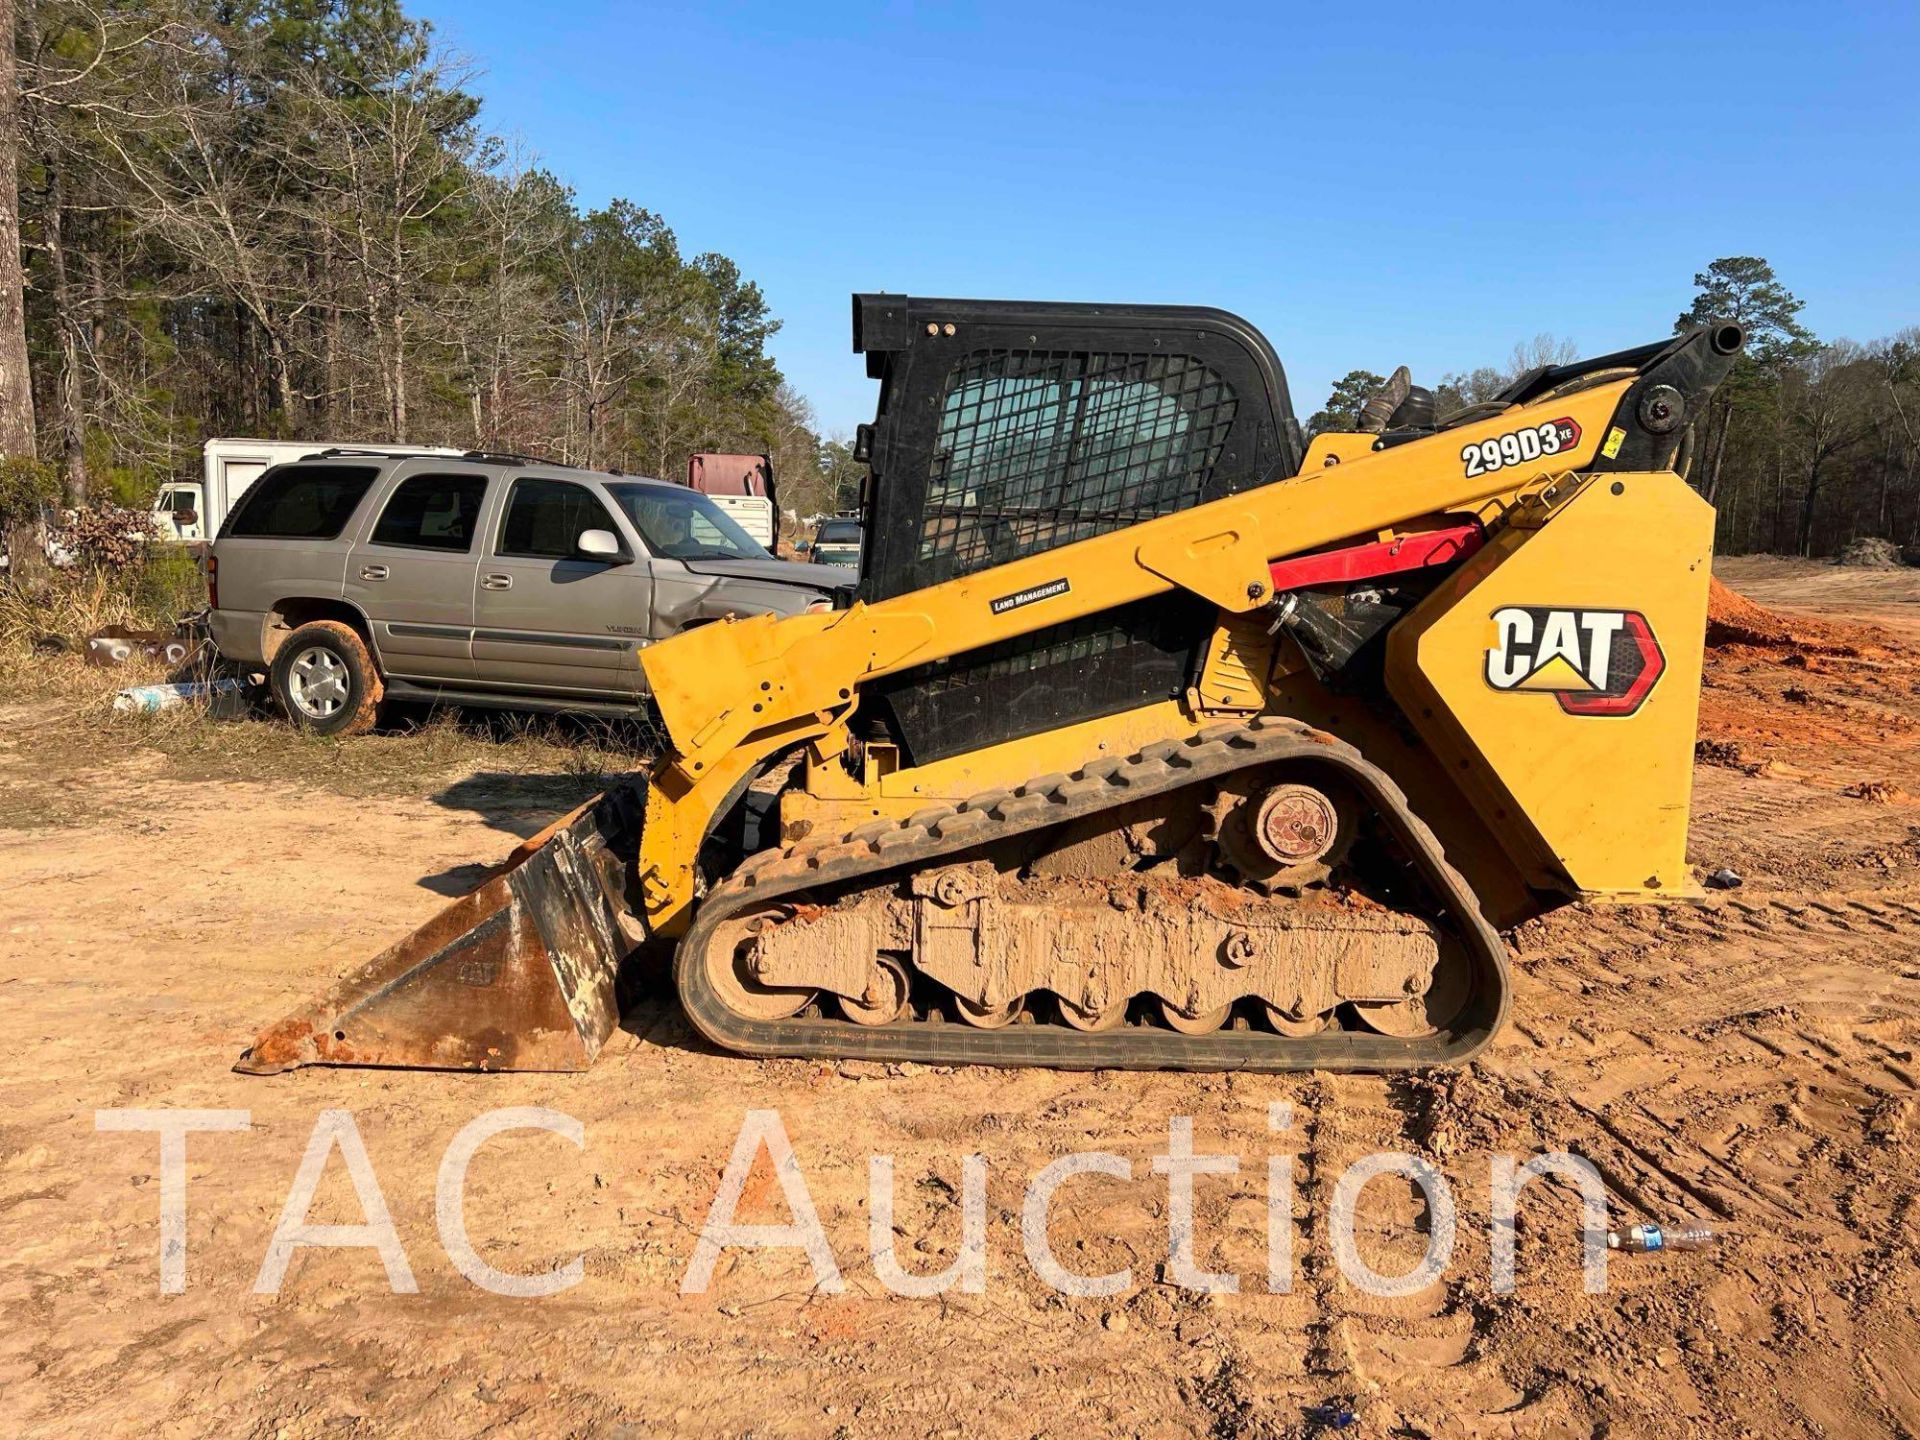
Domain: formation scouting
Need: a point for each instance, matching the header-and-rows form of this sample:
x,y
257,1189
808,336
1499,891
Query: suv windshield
x,y
838,532
684,524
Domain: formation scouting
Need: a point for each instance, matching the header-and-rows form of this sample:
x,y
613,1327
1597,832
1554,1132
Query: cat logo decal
x,y
1594,662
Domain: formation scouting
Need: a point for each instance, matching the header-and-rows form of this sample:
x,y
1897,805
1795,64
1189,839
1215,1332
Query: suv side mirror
x,y
601,545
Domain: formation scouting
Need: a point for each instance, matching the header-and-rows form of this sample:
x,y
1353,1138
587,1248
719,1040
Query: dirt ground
x,y
1748,1063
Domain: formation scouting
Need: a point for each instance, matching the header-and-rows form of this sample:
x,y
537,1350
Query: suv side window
x,y
433,512
545,519
301,502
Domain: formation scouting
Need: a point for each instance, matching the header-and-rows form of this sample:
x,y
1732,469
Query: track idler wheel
x,y
729,966
1420,1015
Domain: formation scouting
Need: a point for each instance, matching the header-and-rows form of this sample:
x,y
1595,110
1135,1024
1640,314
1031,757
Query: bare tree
x,y
17,435
632,361
500,323
214,185
1825,410
392,156
1543,349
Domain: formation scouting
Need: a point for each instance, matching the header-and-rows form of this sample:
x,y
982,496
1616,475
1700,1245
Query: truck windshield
x,y
684,524
838,532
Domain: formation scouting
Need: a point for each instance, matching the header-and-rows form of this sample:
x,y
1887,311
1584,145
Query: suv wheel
x,y
326,681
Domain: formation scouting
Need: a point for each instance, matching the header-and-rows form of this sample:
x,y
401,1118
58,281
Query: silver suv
x,y
477,580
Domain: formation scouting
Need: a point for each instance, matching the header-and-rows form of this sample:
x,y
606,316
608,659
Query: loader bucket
x,y
517,975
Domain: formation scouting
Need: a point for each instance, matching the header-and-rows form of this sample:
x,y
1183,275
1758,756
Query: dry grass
x,y
57,720
65,615
68,606
407,755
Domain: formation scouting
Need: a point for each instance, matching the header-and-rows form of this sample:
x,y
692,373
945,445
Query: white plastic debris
x,y
145,699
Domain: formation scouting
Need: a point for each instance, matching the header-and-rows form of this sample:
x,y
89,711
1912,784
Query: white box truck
x,y
194,510
741,485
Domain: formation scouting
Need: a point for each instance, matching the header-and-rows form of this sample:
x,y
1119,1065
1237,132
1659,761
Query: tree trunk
x,y
25,532
1779,500
97,303
399,376
329,339
71,407
1712,488
1886,491
16,383
280,368
1803,540
246,394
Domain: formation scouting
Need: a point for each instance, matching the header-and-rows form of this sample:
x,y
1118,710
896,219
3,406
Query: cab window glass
x,y
433,512
301,502
545,519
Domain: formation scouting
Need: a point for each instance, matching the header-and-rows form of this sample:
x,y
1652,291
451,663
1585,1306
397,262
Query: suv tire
x,y
325,679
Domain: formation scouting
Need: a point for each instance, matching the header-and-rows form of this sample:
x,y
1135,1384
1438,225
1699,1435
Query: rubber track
x,y
944,835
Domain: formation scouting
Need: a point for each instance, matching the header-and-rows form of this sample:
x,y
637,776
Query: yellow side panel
x,y
1558,672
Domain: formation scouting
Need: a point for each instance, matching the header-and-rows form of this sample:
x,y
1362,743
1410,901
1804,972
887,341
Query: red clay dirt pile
x,y
1734,620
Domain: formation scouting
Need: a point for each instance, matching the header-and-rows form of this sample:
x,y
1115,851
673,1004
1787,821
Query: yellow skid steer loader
x,y
1154,734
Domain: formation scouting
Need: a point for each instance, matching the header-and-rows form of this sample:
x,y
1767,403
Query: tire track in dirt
x,y
1415,1364
1771,1035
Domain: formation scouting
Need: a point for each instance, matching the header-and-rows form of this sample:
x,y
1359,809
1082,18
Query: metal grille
x,y
1098,665
1040,448
1078,643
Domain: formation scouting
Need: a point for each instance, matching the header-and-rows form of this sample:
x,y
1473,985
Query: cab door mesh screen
x,y
1008,429
1040,448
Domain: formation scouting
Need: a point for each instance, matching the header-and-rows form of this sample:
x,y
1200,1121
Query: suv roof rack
x,y
507,457
485,457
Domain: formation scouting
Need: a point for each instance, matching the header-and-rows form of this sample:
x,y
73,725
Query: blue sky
x,y
1369,184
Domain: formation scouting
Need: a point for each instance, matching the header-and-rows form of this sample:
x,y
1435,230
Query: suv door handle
x,y
373,572
496,582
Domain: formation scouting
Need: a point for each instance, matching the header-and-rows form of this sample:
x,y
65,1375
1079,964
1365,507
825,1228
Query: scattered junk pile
x,y
116,645
1156,735
196,673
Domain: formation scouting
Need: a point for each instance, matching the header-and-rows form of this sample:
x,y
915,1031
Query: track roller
x,y
1205,1023
885,999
